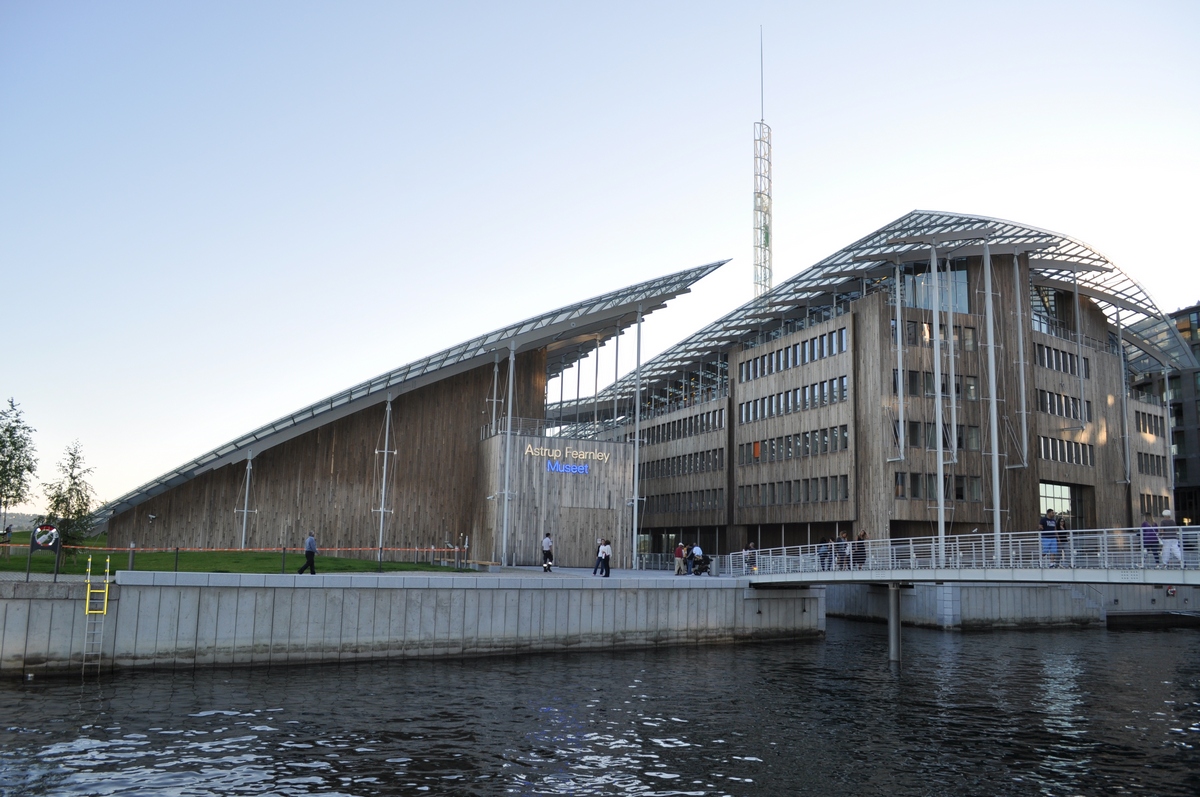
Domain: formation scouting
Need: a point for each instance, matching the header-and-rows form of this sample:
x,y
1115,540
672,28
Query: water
x,y
1009,713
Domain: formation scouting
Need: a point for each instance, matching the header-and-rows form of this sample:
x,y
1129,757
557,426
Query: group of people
x,y
841,553
690,560
1161,541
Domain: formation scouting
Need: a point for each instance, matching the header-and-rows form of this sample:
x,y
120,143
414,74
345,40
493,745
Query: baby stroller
x,y
700,565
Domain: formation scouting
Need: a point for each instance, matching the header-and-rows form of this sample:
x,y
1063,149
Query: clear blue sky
x,y
212,214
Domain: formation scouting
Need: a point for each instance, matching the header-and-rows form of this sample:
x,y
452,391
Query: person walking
x,y
824,554
1150,538
1049,527
547,553
843,551
859,553
606,559
1168,533
679,559
310,555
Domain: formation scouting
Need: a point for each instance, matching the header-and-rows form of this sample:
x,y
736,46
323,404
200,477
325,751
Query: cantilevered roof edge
x,y
613,311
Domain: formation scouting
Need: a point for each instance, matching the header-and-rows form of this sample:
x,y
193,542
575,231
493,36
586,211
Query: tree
x,y
70,497
18,458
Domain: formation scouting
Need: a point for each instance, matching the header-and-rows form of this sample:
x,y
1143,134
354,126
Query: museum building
x,y
947,372
944,374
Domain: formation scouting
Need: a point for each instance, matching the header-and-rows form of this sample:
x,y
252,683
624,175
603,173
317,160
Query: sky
x,y
213,214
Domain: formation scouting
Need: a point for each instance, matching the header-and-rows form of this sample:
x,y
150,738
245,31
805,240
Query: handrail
x,y
1090,549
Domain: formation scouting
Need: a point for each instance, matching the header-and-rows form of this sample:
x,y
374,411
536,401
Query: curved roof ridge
x,y
1112,289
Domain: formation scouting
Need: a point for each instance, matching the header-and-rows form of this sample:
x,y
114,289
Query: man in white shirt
x,y
547,553
1168,535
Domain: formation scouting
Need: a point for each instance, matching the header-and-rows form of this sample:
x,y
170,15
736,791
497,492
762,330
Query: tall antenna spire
x,y
762,102
762,189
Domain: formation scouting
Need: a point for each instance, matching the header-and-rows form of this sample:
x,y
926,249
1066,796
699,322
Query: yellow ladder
x,y
95,607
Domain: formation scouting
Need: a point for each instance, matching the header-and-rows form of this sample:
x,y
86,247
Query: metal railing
x,y
1098,549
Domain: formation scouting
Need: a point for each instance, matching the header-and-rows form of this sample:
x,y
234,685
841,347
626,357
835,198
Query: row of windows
x,y
924,435
1148,423
828,391
1153,505
1151,464
923,486
691,501
824,345
684,464
1068,451
920,383
699,423
1059,360
795,446
1063,406
797,491
920,333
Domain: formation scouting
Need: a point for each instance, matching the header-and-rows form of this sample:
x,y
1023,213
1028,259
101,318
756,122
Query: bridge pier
x,y
893,622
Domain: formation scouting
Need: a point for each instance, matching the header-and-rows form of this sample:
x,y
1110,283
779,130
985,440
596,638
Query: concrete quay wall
x,y
967,606
190,620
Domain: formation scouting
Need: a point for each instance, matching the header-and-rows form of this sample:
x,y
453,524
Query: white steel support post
x,y
1020,298
900,383
1079,352
1124,402
387,442
596,393
940,434
953,392
508,410
1170,458
616,378
495,389
578,386
993,421
246,501
637,439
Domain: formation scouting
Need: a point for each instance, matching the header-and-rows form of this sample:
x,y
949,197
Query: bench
x,y
483,567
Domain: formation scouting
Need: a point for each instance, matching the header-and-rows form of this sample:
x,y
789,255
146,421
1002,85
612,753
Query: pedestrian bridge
x,y
1094,556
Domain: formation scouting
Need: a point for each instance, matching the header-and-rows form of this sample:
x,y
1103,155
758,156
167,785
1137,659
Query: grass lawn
x,y
13,558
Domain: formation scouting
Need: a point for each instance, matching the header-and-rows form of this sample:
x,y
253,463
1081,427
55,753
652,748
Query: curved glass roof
x,y
1150,337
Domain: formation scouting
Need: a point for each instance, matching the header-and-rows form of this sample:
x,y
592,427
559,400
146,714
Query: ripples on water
x,y
1050,713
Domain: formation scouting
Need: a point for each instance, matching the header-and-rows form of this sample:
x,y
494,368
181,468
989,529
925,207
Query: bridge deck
x,y
1094,556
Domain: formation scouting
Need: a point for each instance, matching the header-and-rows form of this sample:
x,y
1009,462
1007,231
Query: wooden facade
x,y
551,494
328,480
1048,451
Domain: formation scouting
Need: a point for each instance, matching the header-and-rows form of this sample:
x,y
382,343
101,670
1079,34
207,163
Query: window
x,y
901,482
914,383
844,432
974,489
971,388
914,434
968,339
972,438
916,480
824,441
930,436
960,488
